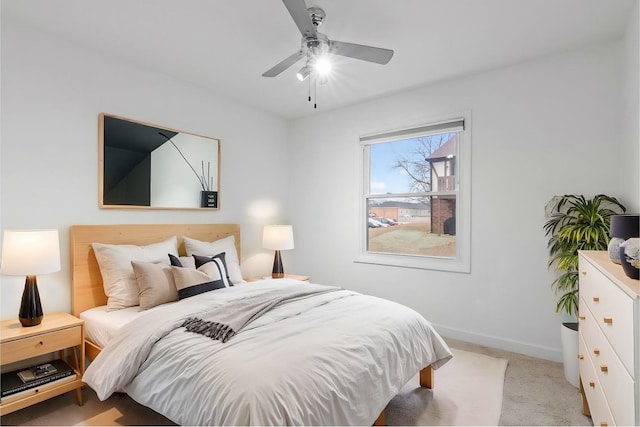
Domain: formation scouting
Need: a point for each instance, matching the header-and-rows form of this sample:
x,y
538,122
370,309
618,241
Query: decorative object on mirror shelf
x,y
278,238
208,197
27,253
575,223
630,257
148,166
623,227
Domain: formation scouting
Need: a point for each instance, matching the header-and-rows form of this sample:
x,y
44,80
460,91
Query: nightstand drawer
x,y
19,349
612,311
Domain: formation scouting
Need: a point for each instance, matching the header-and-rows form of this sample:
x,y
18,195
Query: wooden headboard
x,y
86,288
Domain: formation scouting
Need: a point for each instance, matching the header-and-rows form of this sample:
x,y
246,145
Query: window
x,y
415,197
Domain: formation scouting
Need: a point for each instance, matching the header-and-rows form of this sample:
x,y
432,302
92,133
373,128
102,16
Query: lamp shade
x,y
625,226
30,252
277,237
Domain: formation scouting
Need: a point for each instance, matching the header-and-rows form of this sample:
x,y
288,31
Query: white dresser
x,y
609,343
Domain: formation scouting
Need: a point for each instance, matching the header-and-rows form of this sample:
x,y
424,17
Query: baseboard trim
x,y
541,352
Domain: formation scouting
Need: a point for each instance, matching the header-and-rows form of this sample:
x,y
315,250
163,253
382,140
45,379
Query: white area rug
x,y
468,391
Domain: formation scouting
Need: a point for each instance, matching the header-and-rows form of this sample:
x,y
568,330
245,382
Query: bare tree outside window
x,y
416,165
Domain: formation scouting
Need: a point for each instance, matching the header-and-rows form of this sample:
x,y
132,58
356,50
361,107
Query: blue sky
x,y
384,177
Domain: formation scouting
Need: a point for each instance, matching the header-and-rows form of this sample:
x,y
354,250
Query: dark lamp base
x,y
30,309
278,271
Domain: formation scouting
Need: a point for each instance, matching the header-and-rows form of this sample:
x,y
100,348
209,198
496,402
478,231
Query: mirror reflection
x,y
147,166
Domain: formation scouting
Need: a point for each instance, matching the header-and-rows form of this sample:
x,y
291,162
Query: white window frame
x,y
462,261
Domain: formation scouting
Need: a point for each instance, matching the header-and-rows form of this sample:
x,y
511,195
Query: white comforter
x,y
331,359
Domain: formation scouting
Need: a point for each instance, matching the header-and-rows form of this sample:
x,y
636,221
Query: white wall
x,y
52,94
538,129
562,124
631,112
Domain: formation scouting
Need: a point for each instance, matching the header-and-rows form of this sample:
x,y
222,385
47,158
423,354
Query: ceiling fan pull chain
x,y
315,93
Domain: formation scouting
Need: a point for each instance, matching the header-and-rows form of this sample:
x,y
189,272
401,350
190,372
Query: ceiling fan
x,y
316,46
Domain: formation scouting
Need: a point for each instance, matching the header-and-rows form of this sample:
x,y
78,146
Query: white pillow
x,y
226,245
118,278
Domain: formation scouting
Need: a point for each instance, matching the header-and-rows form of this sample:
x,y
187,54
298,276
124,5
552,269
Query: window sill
x,y
419,262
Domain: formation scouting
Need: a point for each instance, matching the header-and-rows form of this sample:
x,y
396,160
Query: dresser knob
x,y
603,424
604,368
581,356
592,384
596,351
596,299
581,317
608,320
584,273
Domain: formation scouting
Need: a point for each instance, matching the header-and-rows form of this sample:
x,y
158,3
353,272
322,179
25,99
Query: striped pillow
x,y
202,260
208,277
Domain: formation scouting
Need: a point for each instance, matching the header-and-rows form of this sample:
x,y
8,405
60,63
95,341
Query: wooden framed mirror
x,y
152,167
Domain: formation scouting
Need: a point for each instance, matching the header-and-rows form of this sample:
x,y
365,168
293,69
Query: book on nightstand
x,y
23,380
38,389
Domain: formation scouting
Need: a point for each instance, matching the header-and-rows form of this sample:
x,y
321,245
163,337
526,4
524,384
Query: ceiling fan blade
x,y
298,11
284,64
358,51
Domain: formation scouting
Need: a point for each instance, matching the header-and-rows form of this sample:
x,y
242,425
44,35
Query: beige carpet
x,y
468,391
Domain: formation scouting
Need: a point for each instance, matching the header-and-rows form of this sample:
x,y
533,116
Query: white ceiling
x,y
225,45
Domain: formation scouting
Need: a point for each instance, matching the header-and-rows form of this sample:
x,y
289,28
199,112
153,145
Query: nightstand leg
x,y
80,368
79,396
75,358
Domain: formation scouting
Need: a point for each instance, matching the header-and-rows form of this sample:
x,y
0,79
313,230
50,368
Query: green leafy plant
x,y
576,223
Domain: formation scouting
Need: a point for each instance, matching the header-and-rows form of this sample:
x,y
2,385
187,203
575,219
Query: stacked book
x,y
25,382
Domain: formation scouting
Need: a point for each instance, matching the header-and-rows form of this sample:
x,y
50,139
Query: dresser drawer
x,y
611,308
20,349
600,413
616,383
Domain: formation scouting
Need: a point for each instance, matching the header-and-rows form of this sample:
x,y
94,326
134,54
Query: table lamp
x,y
278,238
27,253
622,227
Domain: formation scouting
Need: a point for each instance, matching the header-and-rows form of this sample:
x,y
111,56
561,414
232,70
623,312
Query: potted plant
x,y
575,223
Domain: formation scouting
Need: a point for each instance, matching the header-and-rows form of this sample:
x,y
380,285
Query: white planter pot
x,y
569,338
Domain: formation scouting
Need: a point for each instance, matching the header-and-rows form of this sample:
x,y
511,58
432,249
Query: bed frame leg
x,y
426,380
426,377
380,421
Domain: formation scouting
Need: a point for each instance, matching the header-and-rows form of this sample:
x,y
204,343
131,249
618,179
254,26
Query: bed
x,y
320,356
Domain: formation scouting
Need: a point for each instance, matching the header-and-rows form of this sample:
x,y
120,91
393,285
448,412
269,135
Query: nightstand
x,y
286,276
57,332
297,277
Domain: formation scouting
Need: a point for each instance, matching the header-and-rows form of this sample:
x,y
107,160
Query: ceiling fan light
x,y
322,66
303,73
